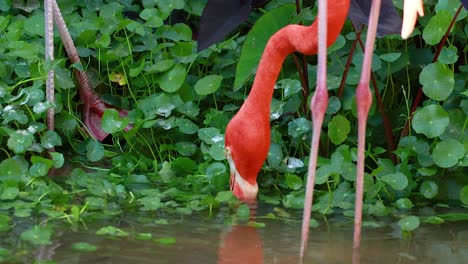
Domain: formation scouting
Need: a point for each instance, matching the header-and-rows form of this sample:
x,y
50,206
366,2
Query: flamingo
x,y
247,136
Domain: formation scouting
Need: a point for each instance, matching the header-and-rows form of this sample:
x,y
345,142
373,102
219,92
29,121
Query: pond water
x,y
208,239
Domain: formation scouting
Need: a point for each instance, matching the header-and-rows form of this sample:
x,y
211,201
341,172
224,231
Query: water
x,y
207,239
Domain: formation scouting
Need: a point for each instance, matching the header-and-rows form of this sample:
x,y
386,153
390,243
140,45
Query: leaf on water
x,y
338,129
448,152
166,240
437,81
397,181
38,235
84,247
112,231
409,223
431,121
208,84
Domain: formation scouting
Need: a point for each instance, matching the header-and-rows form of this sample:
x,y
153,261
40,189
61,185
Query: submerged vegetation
x,y
143,57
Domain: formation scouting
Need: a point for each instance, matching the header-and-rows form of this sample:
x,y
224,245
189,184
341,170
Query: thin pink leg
x,y
318,106
364,101
49,52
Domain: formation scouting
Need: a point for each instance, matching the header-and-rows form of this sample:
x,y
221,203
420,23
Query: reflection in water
x,y
208,240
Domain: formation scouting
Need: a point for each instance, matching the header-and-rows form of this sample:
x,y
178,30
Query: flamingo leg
x,y
49,54
318,106
364,101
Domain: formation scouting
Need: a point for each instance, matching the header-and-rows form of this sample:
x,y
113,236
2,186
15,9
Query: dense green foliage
x,y
180,102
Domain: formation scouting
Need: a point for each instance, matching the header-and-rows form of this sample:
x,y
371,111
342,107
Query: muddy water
x,y
207,239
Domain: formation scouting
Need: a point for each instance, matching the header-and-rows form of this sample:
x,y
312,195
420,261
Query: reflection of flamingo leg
x,y
93,107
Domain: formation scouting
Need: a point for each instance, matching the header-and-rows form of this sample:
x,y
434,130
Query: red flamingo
x,y
247,137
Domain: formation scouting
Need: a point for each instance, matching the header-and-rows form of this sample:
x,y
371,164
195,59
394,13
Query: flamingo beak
x,y
241,188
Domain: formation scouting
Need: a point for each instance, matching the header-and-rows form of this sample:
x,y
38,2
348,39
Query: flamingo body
x,y
247,135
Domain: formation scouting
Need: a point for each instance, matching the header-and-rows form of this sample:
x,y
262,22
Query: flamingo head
x,y
247,141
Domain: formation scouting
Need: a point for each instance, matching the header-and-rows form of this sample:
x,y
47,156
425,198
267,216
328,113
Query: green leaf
x,y
37,235
112,231
448,55
437,81
404,203
4,225
224,196
112,122
447,153
172,80
243,212
166,240
429,189
150,203
436,28
431,121
210,135
293,181
50,139
299,127
338,129
397,181
464,195
84,247
160,66
390,57
156,105
435,220
208,84
409,223
20,140
257,39
94,150
9,193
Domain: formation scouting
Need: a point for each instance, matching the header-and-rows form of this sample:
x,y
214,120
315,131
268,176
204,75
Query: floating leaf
x,y
112,231
9,193
150,203
338,129
210,135
166,240
437,80
38,235
208,84
397,181
409,223
20,140
50,139
431,121
84,247
429,189
447,153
